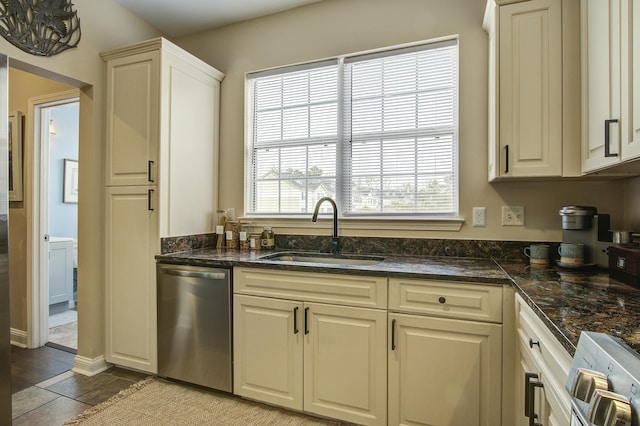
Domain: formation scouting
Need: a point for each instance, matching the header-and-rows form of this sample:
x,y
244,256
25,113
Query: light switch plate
x,y
512,215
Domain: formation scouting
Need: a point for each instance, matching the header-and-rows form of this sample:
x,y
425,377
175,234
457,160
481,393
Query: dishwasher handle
x,y
196,274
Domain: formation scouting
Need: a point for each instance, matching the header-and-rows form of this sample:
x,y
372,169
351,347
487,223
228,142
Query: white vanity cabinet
x,y
542,366
313,342
534,119
162,121
610,80
61,270
445,354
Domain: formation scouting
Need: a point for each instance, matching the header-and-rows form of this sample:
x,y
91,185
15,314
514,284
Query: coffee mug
x,y
537,253
571,253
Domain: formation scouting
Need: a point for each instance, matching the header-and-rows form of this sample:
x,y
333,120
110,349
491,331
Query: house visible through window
x,y
377,132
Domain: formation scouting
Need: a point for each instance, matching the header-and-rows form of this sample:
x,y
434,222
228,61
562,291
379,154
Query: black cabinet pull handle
x,y
295,320
527,393
149,164
532,343
441,299
607,137
534,416
149,200
306,323
393,334
506,154
530,397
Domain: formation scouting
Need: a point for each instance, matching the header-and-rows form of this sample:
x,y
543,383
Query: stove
x,y
604,382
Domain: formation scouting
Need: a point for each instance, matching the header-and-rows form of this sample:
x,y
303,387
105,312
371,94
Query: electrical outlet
x,y
479,216
512,215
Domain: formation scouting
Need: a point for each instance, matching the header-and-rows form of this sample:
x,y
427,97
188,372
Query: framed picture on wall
x,y
15,156
70,190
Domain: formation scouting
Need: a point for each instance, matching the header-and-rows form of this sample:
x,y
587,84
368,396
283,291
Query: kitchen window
x,y
378,132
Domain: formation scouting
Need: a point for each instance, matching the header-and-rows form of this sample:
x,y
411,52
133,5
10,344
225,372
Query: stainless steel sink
x,y
322,258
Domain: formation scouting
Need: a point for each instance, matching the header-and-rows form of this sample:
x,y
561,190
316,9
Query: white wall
x,y
334,27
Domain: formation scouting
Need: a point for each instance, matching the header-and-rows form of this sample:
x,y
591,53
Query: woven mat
x,y
156,401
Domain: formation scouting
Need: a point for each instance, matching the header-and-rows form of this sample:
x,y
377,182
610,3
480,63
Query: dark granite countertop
x,y
446,268
573,300
568,301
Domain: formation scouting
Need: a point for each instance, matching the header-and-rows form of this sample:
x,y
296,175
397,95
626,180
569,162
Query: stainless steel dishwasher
x,y
194,325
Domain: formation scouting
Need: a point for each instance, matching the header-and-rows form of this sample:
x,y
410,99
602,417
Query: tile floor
x,y
63,329
46,392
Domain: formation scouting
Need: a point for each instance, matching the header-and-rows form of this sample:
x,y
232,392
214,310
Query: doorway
x,y
59,127
53,123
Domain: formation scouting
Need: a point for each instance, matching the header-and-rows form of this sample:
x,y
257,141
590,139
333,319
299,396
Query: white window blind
x,y
294,138
376,132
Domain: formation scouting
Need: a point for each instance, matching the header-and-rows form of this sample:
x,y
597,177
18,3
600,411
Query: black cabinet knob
x,y
442,299
532,343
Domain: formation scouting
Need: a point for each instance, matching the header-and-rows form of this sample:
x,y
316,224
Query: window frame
x,y
342,181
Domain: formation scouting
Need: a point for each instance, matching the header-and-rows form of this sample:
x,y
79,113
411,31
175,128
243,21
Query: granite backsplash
x,y
420,247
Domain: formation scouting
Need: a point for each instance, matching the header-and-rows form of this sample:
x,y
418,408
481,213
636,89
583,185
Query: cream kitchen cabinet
x,y
297,344
131,244
542,366
534,119
610,93
445,355
161,135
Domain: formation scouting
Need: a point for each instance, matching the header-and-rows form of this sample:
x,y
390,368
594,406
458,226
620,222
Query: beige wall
x,y
335,27
105,25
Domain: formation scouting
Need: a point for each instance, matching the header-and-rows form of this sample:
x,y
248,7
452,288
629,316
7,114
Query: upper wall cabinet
x,y
534,120
610,80
162,110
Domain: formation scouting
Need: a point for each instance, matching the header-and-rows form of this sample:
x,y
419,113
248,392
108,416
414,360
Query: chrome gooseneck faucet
x,y
335,243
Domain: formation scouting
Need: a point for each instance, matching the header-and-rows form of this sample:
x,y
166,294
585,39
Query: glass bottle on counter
x,y
268,239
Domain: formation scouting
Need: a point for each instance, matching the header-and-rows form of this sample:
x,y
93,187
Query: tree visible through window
x,y
377,132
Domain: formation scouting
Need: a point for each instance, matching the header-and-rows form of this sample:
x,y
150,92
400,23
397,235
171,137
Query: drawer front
x,y
352,290
449,299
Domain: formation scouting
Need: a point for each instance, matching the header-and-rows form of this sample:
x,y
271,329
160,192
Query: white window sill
x,y
284,224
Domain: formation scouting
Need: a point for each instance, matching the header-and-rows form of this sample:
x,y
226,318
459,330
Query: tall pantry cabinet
x,y
161,180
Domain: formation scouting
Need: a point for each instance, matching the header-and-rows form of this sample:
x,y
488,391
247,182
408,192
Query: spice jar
x,y
255,241
231,228
268,239
244,241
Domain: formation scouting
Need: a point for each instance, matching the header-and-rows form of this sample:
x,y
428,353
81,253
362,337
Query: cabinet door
x,y
132,242
132,119
444,371
60,271
345,362
527,366
601,79
631,73
530,89
267,355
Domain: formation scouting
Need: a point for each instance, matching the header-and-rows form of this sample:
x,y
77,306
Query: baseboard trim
x,y
89,367
18,338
